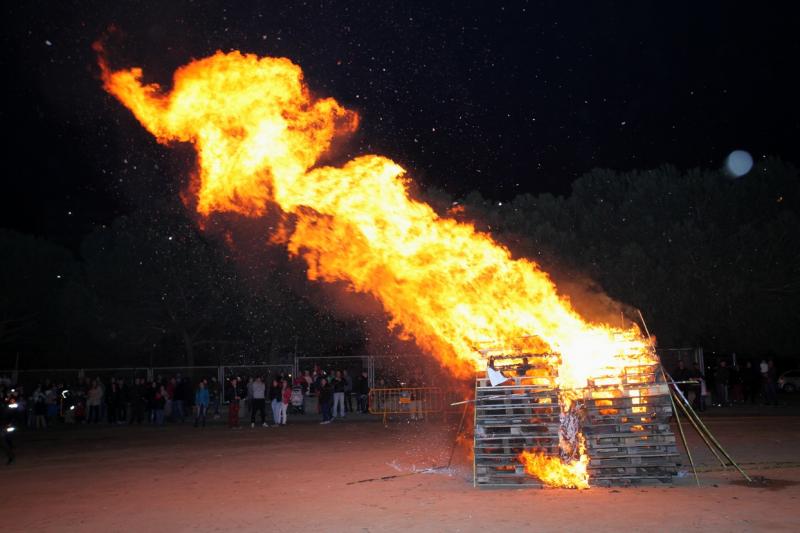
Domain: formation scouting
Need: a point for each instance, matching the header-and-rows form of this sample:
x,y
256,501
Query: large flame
x,y
259,133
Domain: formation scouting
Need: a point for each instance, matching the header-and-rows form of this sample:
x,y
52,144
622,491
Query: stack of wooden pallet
x,y
628,435
521,414
625,422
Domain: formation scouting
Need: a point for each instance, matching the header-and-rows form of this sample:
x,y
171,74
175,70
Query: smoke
x,y
592,303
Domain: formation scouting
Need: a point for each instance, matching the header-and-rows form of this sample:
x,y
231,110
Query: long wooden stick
x,y
683,436
714,440
458,432
700,432
644,323
708,433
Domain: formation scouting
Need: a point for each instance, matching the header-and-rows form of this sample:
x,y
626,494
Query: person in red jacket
x,y
286,397
233,396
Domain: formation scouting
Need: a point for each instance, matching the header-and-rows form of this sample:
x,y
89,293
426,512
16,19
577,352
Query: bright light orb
x,y
738,163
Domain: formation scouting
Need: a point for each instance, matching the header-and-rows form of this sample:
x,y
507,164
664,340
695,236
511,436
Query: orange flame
x,y
259,132
554,472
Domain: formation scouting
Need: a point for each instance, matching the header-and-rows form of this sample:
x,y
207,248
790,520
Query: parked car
x,y
789,381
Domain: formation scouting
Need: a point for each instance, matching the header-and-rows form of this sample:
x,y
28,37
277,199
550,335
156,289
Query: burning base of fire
x,y
556,472
614,432
569,469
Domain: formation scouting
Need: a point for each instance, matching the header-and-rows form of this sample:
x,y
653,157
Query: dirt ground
x,y
308,477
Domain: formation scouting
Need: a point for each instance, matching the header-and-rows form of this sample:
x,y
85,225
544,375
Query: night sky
x,y
500,97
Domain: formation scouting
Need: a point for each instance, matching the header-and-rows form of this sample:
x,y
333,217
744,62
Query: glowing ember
x,y
259,133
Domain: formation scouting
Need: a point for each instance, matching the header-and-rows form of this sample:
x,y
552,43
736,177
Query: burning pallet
x,y
624,422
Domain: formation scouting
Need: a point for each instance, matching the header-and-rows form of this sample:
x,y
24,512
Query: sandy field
x,y
311,477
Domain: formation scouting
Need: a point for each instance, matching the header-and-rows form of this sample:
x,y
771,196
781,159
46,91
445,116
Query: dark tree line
x,y
154,289
710,261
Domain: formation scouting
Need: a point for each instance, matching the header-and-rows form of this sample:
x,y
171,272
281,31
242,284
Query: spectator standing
x,y
325,397
703,393
130,399
94,399
338,395
170,389
152,389
736,384
316,385
275,400
112,402
51,397
103,403
136,394
200,404
159,405
722,378
233,397
348,391
249,401
258,390
179,400
771,396
286,397
39,400
751,382
362,388
123,408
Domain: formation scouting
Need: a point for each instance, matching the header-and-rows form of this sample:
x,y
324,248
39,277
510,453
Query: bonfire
x,y
259,133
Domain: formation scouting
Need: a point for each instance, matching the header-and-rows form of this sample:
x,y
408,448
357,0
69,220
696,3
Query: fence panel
x,y
194,373
414,402
252,371
68,376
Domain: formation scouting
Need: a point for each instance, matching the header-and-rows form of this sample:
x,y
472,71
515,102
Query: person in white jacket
x,y
258,389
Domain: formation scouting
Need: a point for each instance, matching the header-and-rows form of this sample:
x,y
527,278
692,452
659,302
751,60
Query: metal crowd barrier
x,y
414,402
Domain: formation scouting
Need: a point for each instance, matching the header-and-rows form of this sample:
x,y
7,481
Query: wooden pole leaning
x,y
680,429
713,439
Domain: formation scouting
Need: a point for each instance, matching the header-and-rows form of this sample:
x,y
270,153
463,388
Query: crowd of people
x,y
176,399
725,384
267,400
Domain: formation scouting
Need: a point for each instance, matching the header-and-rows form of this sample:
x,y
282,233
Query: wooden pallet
x,y
626,427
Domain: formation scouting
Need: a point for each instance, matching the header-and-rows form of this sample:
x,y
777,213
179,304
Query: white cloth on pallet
x,y
495,377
